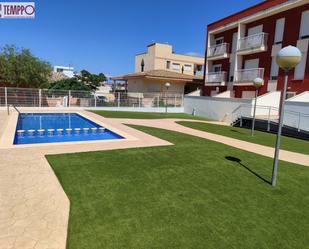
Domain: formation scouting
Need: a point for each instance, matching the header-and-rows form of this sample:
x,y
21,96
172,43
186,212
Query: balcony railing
x,y
252,42
215,77
218,50
248,75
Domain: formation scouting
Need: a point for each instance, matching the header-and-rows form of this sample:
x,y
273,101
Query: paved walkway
x,y
34,209
170,124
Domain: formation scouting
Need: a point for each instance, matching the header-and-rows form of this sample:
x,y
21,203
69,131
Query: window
x,y
217,68
142,65
187,67
304,26
300,68
252,64
279,30
168,64
219,40
176,66
198,68
232,68
234,42
255,30
274,70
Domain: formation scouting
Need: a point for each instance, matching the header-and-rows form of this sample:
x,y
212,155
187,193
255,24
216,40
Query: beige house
x,y
160,65
154,82
161,57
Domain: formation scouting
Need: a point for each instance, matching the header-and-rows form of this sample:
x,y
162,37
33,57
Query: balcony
x,y
252,44
246,76
215,78
219,51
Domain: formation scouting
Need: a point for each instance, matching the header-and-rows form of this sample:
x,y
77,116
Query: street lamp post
x,y
287,58
167,86
258,82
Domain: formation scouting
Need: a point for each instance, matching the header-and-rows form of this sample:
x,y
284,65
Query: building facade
x,y
160,65
161,57
67,71
243,46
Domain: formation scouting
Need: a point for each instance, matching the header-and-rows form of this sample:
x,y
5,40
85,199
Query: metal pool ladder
x,y
8,108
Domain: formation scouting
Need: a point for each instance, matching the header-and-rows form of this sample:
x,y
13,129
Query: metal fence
x,y
297,120
26,97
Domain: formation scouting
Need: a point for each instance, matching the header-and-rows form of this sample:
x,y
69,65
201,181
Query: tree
x,y
69,84
19,68
85,81
91,80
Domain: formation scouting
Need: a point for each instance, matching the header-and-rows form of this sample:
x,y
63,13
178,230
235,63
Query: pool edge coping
x,y
7,138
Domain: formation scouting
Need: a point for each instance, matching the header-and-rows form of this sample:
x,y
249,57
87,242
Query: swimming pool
x,y
34,128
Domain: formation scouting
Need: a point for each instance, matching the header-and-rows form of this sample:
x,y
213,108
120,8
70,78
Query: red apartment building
x,y
243,46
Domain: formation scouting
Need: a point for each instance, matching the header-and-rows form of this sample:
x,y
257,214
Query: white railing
x,y
296,120
248,75
218,50
26,97
253,41
215,77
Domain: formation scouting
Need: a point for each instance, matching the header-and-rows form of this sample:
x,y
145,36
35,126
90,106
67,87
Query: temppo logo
x,y
17,9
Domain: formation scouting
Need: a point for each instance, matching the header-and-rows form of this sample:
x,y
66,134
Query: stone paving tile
x,y
170,124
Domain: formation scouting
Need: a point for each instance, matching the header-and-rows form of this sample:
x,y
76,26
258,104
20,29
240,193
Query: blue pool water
x,y
39,121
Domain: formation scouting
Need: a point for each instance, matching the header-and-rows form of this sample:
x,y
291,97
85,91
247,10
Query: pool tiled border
x,y
7,138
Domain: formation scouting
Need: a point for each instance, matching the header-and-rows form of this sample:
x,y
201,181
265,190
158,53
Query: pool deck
x,y
34,209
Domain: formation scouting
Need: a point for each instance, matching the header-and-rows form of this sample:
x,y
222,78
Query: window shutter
x,y
274,69
279,30
300,68
304,27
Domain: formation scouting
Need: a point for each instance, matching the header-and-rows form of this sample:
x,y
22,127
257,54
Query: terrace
x,y
215,78
217,52
252,44
246,76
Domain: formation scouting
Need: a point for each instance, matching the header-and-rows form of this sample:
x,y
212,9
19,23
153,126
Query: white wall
x,y
212,107
225,94
269,99
297,111
263,103
103,89
303,97
297,114
67,71
302,107
194,93
153,85
221,108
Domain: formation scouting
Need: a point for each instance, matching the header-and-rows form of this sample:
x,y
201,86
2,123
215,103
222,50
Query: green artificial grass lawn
x,y
263,138
193,194
145,115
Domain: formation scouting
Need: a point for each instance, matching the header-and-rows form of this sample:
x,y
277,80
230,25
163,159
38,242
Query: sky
x,y
104,35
